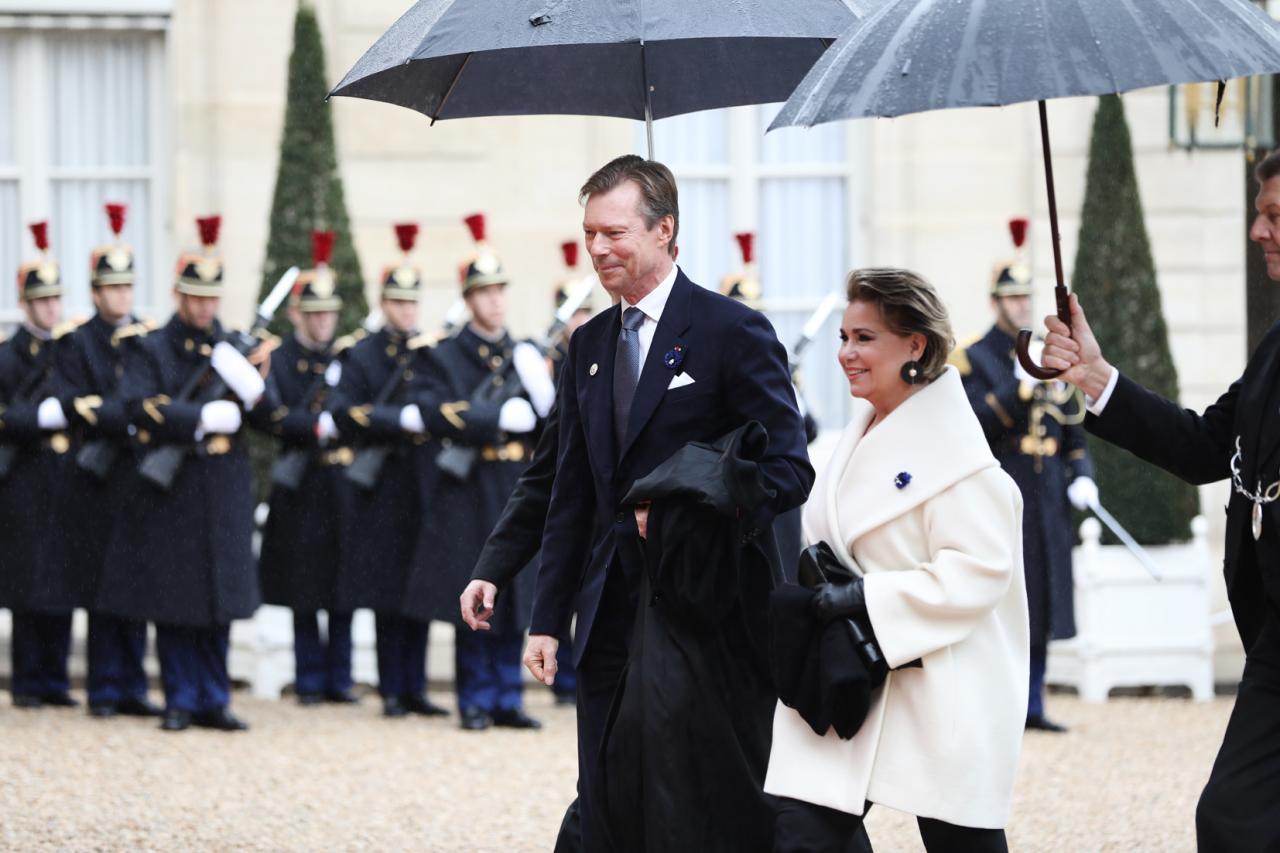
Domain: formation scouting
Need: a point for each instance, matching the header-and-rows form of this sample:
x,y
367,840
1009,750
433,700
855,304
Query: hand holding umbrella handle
x,y
1060,289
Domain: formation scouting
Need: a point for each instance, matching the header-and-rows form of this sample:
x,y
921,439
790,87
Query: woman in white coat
x,y
913,501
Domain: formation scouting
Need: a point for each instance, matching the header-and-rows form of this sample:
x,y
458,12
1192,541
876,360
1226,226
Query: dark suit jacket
x,y
1198,448
740,374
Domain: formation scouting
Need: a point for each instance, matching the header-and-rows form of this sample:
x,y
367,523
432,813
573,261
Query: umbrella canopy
x,y
911,56
466,58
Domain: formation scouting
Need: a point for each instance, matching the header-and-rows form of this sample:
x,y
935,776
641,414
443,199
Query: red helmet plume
x,y
747,243
570,251
475,223
407,236
209,227
40,233
115,213
322,246
1018,230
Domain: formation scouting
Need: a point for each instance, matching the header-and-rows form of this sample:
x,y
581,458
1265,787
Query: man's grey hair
x,y
657,190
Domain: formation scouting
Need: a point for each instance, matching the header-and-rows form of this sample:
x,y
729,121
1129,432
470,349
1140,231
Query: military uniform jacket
x,y
88,365
26,496
382,524
1043,456
301,545
182,557
460,515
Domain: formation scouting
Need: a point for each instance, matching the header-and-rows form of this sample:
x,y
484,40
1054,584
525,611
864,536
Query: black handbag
x,y
819,565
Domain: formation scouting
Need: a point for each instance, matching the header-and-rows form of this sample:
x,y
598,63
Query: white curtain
x,y
100,118
802,255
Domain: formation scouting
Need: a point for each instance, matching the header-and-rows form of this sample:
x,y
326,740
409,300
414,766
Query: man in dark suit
x,y
672,363
1238,437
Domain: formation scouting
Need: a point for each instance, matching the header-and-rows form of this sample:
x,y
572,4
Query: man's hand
x,y
642,519
476,602
1076,353
540,657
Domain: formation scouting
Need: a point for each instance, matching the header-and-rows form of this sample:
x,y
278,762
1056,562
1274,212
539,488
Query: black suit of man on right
x,y
1238,437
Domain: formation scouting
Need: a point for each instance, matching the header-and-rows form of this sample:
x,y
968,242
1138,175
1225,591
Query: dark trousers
x,y
117,648
322,663
807,828
39,648
599,674
487,666
1239,809
193,667
1035,699
402,655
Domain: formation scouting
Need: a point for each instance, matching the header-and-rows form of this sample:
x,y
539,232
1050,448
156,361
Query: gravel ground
x,y
336,778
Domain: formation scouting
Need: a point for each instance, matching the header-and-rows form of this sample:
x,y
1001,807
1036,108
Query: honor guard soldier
x,y
88,365
560,347
482,396
33,440
182,556
386,510
300,560
1034,431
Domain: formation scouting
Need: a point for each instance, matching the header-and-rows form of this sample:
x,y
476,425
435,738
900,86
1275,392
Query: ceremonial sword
x,y
1139,553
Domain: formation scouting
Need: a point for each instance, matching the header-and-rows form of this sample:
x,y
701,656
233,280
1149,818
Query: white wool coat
x,y
942,560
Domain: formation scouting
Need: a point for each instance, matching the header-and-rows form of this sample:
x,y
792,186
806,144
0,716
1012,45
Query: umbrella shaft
x,y
1060,290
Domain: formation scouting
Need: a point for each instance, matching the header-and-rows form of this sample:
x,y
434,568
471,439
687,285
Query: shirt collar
x,y
653,304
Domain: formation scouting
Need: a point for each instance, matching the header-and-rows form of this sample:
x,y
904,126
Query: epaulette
x,y
427,340
959,358
133,330
346,342
63,329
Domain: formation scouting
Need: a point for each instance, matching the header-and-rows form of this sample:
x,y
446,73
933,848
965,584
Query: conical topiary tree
x,y
308,194
1116,282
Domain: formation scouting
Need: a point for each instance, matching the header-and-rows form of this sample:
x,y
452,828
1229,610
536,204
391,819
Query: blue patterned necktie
x,y
626,372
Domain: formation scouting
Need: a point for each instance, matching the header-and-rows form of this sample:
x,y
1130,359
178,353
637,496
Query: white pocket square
x,y
679,381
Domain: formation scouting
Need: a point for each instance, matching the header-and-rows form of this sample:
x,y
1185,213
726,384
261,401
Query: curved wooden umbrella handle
x,y
1023,347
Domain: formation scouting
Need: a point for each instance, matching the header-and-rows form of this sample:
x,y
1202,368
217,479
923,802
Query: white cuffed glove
x,y
531,367
333,374
50,415
517,416
1083,493
411,420
326,429
220,416
241,377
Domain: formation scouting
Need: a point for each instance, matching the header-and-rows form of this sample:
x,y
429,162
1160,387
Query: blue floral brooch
x,y
674,357
902,480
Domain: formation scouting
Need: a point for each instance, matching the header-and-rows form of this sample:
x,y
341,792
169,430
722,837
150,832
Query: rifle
x,y
160,466
97,456
292,464
26,394
366,468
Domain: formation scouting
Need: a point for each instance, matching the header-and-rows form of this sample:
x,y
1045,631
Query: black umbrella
x,y
639,59
911,56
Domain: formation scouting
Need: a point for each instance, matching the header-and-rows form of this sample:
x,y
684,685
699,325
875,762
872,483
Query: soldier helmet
x,y
200,273
40,279
317,288
1013,277
112,263
483,268
569,250
744,285
403,280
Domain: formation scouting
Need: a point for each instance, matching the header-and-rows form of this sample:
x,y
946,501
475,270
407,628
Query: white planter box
x,y
1135,631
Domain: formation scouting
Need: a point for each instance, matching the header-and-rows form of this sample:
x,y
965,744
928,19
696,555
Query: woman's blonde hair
x,y
910,306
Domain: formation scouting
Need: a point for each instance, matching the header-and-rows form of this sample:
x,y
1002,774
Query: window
x,y
798,191
85,131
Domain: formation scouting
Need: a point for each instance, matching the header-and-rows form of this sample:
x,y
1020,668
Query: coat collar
x,y
934,437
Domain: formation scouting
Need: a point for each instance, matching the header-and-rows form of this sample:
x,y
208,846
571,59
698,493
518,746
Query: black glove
x,y
840,599
831,601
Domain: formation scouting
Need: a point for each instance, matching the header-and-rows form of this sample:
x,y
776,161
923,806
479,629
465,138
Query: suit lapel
x,y
655,376
597,388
